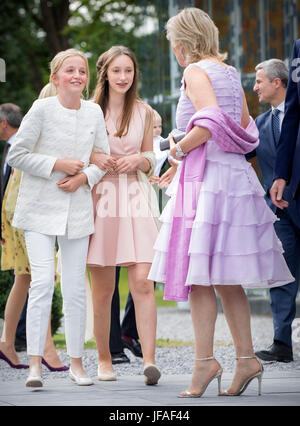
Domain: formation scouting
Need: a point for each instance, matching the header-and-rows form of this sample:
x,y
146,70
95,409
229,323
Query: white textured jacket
x,y
49,132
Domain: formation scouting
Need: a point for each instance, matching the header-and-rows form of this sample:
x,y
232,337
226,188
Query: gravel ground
x,y
175,324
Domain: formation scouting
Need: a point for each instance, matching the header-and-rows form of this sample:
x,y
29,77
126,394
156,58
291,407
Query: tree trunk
x,y
55,17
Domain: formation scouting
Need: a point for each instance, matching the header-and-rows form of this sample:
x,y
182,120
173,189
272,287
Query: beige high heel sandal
x,y
244,386
218,375
106,376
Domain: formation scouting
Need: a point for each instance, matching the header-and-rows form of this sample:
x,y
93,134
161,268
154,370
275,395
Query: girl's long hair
x,y
101,94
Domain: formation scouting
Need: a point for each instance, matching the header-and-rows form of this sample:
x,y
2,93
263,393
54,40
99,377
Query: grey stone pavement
x,y
280,387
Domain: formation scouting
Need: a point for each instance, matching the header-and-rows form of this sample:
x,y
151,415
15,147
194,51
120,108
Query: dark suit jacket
x,y
4,177
288,153
266,154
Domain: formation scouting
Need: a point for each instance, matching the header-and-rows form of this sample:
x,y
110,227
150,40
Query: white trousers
x,y
40,250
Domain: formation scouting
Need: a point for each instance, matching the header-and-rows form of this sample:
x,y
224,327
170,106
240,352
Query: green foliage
x,y
123,292
6,283
95,26
27,43
60,343
25,51
56,313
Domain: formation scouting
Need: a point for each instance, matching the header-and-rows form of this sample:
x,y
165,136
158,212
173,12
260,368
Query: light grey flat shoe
x,y
34,382
80,380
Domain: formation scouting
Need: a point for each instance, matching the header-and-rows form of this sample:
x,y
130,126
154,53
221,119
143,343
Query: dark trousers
x,y
283,298
128,326
298,202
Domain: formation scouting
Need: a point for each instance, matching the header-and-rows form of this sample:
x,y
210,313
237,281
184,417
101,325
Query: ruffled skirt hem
x,y
233,241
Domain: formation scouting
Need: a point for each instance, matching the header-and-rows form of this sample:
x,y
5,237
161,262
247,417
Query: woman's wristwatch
x,y
179,152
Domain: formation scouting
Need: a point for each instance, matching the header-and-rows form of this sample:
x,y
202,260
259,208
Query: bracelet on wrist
x,y
179,152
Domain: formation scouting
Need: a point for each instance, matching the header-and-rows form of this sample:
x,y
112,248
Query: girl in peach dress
x,y
125,218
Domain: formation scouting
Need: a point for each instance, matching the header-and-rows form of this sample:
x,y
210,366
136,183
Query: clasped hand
x,y
126,164
165,180
73,169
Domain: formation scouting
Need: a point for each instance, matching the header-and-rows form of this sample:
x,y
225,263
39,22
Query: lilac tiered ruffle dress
x,y
232,241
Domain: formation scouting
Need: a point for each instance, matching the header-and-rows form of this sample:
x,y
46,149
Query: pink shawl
x,y
230,137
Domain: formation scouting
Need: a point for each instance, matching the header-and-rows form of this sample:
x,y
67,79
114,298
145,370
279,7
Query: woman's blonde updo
x,y
196,32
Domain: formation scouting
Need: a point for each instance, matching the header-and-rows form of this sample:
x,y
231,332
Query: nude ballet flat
x,y
152,374
106,377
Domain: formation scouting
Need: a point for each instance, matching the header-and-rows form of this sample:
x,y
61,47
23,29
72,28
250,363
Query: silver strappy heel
x,y
218,375
244,386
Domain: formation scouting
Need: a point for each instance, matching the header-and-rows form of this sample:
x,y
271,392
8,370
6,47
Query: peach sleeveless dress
x,y
125,230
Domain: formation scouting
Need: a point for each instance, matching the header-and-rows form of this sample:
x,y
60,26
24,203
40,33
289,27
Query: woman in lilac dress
x,y
217,231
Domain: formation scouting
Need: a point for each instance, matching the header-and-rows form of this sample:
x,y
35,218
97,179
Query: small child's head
x,y
69,70
157,124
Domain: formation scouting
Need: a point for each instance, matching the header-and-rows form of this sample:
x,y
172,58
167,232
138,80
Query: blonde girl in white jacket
x,y
52,148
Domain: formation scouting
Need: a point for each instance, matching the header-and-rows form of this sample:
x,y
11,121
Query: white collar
x,y
10,140
280,107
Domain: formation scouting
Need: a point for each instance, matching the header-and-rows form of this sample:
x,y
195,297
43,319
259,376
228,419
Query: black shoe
x,y
133,345
20,345
276,352
119,358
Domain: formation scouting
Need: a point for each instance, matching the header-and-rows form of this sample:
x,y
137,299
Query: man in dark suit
x,y
10,120
287,167
270,86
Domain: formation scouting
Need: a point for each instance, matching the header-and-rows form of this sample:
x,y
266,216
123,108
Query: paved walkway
x,y
279,389
281,382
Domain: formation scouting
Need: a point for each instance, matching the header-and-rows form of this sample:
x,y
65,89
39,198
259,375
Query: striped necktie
x,y
276,125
